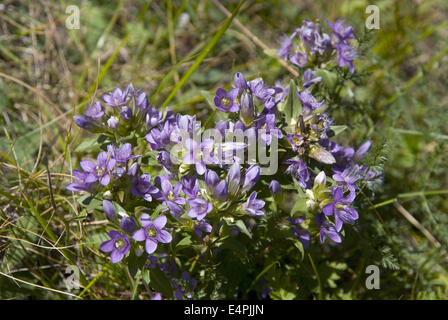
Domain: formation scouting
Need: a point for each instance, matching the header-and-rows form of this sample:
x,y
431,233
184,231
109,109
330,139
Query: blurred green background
x,y
398,100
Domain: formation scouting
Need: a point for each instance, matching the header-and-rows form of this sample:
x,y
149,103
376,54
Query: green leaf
x,y
209,98
161,283
337,129
329,79
87,145
293,107
184,242
242,226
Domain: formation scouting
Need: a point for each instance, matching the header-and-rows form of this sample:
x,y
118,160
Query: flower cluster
x,y
317,46
185,186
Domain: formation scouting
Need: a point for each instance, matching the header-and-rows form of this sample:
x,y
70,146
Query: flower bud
x,y
240,81
112,122
275,187
247,108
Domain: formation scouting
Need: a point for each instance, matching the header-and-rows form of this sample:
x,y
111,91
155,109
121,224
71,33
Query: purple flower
x,y
347,177
142,187
112,122
226,101
94,110
156,296
303,235
308,32
80,184
341,32
164,159
346,55
299,170
128,225
309,103
299,59
362,150
152,232
343,213
116,98
141,102
201,227
253,205
275,187
171,196
109,209
190,186
247,112
259,89
310,78
296,140
269,128
99,171
159,137
199,208
322,44
87,123
286,46
233,179
118,246
327,229
199,155
153,117
240,81
251,177
126,113
123,154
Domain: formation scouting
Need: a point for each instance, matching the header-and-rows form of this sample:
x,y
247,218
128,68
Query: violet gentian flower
x,y
226,101
343,213
327,229
310,78
171,196
99,171
152,232
123,154
303,235
109,209
94,110
80,184
253,205
199,208
116,98
298,168
299,59
202,226
346,55
128,225
275,187
240,81
341,32
112,122
142,187
309,103
118,246
200,155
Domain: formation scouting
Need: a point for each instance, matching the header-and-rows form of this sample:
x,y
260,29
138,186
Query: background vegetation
x,y
48,73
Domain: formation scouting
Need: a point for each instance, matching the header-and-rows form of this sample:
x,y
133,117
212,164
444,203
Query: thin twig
x,y
417,224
